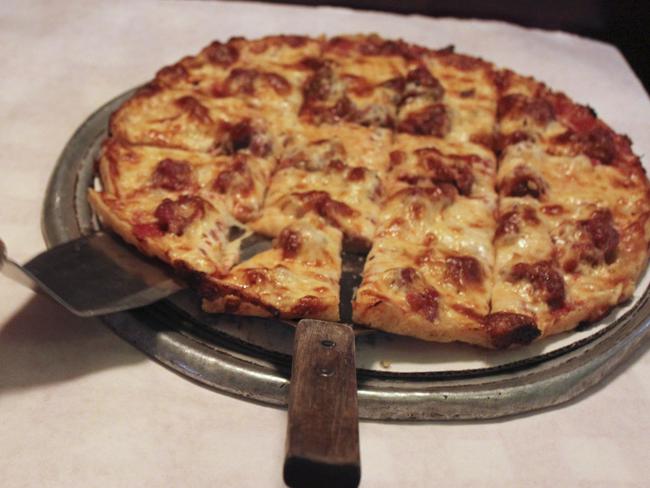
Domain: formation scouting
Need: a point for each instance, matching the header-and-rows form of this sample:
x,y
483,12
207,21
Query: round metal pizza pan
x,y
208,352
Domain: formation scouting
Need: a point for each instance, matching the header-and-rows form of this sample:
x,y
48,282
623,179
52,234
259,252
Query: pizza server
x,y
94,275
98,274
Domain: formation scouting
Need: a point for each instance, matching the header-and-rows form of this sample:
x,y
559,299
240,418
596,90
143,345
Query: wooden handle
x,y
323,428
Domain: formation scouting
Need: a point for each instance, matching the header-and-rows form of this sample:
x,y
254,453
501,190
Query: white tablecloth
x,y
80,407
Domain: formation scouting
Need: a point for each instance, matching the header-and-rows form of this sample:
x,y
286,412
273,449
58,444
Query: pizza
x,y
491,209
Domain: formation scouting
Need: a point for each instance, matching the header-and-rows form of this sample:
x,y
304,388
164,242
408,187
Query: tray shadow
x,y
42,343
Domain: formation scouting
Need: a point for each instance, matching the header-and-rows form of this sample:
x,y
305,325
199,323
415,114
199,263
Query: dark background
x,y
625,24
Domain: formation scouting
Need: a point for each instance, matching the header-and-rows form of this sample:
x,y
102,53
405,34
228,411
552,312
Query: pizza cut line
x,y
493,210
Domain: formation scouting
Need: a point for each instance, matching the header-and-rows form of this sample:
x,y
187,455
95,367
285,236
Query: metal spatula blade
x,y
95,275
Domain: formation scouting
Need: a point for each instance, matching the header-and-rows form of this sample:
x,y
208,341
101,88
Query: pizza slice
x,y
528,286
265,73
425,161
421,110
435,242
449,96
525,110
592,219
430,271
186,231
357,79
317,147
268,76
179,120
314,180
583,195
239,181
470,95
384,83
299,277
166,118
528,111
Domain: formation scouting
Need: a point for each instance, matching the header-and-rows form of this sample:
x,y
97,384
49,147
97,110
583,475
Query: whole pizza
x,y
492,209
